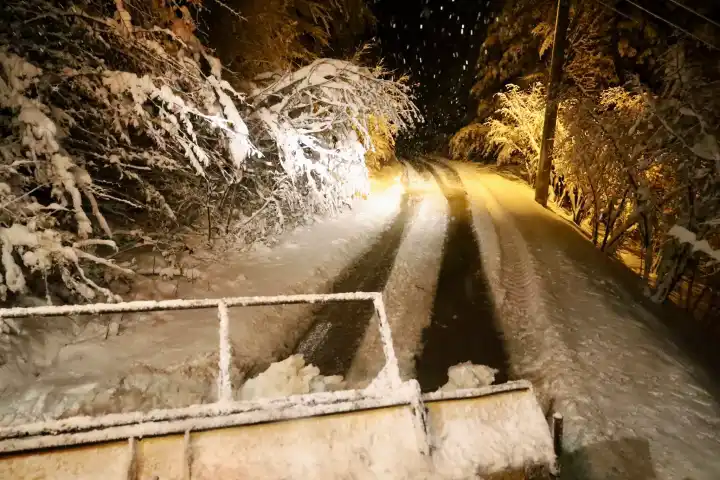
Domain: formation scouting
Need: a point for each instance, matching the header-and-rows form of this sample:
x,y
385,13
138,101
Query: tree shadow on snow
x,y
622,459
463,326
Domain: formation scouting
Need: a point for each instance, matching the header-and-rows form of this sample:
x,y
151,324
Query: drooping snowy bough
x,y
321,115
117,126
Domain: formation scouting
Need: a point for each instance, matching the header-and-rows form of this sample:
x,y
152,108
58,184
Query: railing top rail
x,y
182,304
388,378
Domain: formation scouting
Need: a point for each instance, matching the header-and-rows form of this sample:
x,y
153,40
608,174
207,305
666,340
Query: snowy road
x,y
337,328
471,269
636,405
461,323
518,289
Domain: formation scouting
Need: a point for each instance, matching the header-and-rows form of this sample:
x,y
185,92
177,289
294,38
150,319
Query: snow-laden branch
x,y
124,113
320,117
683,235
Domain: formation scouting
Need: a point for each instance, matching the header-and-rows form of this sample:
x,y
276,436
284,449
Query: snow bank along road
x,y
471,270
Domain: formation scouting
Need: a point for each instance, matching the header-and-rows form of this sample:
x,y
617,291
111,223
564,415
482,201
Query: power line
x,y
696,13
609,7
617,11
673,25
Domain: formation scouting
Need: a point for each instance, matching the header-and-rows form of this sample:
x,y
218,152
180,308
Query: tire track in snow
x,y
338,328
410,290
463,326
537,351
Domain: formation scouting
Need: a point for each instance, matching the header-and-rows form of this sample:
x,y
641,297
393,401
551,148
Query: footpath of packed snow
x,y
169,359
635,405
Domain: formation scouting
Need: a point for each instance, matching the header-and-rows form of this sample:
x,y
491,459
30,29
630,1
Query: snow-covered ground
x,y
169,359
636,405
410,289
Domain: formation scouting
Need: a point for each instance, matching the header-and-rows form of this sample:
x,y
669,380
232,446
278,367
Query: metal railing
x,y
386,390
222,305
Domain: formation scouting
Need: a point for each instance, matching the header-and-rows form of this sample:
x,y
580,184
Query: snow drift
x,y
289,377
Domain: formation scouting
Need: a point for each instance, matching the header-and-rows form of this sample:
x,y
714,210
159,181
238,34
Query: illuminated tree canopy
x,y
636,152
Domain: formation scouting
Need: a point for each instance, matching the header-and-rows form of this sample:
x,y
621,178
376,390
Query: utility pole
x,y
542,177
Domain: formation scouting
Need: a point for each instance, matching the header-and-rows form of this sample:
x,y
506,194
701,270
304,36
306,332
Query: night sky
x,y
436,43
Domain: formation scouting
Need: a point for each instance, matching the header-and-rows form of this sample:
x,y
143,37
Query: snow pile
x,y
683,235
468,375
289,377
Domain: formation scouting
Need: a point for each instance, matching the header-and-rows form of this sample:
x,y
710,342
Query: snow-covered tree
x,y
321,116
686,115
635,153
468,143
517,49
514,134
118,130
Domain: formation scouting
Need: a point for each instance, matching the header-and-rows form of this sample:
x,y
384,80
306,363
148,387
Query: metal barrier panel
x,y
455,431
385,391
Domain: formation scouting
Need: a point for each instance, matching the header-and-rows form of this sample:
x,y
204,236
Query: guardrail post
x,y
557,434
392,369
132,467
188,460
224,381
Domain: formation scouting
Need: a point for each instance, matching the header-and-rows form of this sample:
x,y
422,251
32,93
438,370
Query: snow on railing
x,y
224,382
225,410
158,305
391,368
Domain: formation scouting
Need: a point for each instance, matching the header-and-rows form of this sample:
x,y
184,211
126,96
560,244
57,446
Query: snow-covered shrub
x,y
322,116
468,142
590,176
514,133
382,138
113,125
685,123
101,122
665,143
